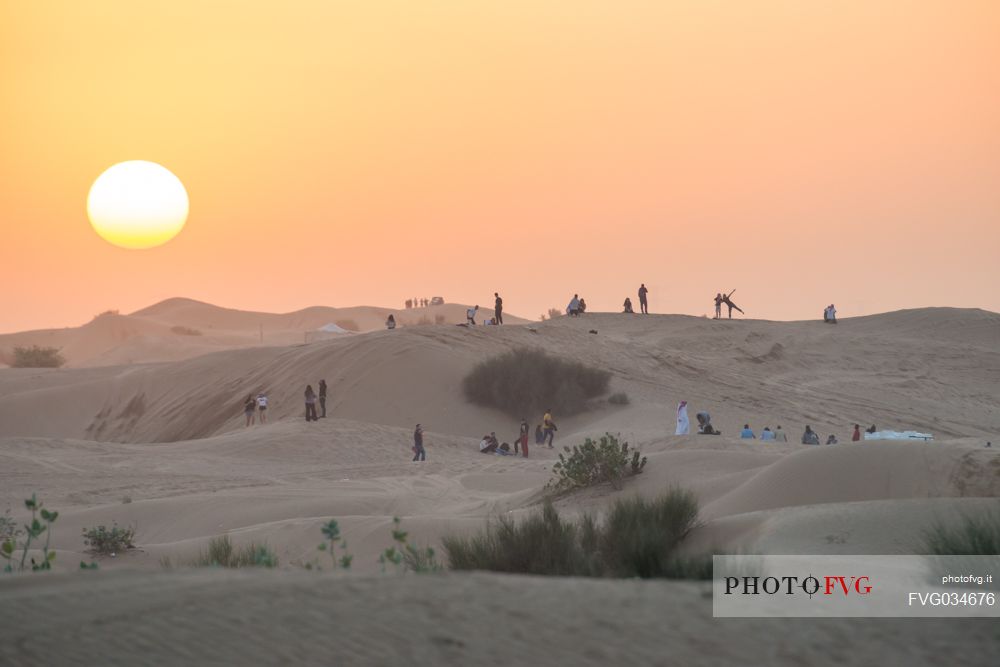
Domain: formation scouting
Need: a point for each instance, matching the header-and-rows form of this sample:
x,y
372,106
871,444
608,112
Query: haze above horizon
x,y
343,153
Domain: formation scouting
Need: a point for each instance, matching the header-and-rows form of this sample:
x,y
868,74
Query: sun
x,y
137,204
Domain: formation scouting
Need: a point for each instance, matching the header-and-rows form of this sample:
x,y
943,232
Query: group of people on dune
x,y
809,436
490,444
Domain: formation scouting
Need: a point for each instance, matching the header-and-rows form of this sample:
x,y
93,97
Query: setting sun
x,y
137,204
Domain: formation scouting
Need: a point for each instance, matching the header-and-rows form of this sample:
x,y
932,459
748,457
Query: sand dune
x,y
184,328
162,447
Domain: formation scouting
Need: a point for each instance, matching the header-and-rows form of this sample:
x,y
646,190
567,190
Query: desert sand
x,y
162,446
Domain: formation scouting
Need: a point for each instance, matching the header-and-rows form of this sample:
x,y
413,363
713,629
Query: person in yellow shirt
x,y
548,427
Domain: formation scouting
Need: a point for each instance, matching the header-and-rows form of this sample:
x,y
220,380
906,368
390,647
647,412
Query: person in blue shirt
x,y
747,433
767,434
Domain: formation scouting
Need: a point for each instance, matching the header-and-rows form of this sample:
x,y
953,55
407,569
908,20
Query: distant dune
x,y
180,328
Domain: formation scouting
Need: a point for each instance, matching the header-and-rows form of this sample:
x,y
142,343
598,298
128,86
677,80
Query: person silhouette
x,y
643,305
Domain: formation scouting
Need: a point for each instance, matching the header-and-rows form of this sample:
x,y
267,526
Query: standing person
x,y
726,300
498,308
262,407
549,427
539,435
643,306
683,424
249,407
322,398
522,438
718,305
779,435
831,311
310,404
470,316
573,308
418,444
857,433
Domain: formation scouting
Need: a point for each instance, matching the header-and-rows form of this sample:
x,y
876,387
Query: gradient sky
x,y
345,153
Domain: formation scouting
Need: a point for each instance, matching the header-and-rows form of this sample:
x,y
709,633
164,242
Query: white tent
x,y
326,332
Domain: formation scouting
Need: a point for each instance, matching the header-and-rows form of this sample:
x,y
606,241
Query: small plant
x,y
405,556
554,313
37,357
33,532
620,398
8,527
331,535
606,460
109,541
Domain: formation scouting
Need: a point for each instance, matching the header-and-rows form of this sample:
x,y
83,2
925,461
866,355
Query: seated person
x,y
583,306
487,445
390,323
810,437
628,305
832,440
504,450
767,434
705,424
871,429
747,433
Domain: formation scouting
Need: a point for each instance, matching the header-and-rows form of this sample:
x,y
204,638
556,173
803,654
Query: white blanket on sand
x,y
899,435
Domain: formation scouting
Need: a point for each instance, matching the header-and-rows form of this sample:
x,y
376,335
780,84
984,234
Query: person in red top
x,y
857,433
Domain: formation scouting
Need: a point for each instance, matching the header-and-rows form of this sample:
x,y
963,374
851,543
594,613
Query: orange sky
x,y
344,153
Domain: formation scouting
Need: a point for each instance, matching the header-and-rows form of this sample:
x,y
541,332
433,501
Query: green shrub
x,y
606,460
221,553
621,398
969,536
527,381
638,538
37,357
32,533
108,541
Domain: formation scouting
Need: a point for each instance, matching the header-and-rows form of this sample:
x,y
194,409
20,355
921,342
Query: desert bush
x,y
606,460
969,536
184,331
620,398
106,313
109,541
554,313
638,538
527,381
41,523
37,357
349,325
221,553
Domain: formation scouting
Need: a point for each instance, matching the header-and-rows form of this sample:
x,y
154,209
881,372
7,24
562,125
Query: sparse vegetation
x,y
527,381
41,523
37,357
638,538
106,313
619,398
184,331
331,537
968,536
405,556
607,460
109,541
221,553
